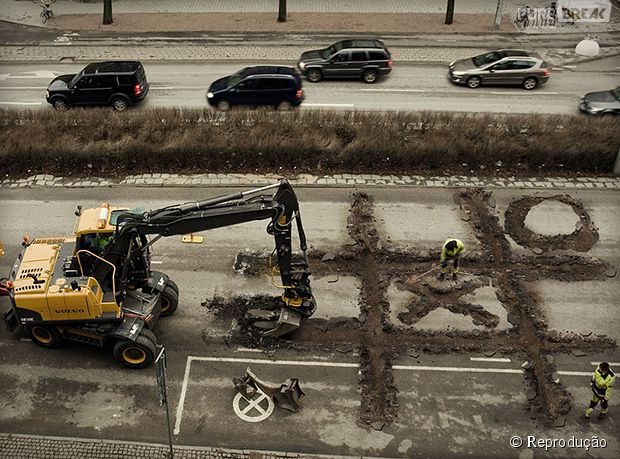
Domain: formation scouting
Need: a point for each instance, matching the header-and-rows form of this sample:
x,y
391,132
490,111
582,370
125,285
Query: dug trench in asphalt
x,y
408,87
479,405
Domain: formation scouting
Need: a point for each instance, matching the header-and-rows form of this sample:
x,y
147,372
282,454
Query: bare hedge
x,y
99,141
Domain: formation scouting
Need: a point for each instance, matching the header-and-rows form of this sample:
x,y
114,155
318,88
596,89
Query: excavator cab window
x,y
94,242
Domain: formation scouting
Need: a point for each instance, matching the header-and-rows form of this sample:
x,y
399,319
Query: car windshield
x,y
236,78
76,78
487,58
616,93
333,49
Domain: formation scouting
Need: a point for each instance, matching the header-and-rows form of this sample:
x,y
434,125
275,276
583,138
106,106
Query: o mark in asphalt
x,y
255,409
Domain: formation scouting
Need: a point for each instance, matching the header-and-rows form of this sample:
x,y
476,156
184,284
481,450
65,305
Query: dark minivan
x,y
261,85
116,83
360,58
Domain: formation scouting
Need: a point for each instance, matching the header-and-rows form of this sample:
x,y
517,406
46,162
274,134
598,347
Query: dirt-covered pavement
x,y
393,365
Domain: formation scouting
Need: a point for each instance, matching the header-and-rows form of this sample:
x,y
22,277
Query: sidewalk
x,y
306,180
376,16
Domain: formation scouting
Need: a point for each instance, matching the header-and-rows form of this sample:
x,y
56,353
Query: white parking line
x,y
303,363
177,423
21,103
610,363
489,359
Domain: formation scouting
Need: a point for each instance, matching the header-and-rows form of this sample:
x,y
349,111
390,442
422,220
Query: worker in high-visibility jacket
x,y
452,249
602,383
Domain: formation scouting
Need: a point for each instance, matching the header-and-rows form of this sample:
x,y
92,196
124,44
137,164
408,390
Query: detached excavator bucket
x,y
288,321
289,396
286,396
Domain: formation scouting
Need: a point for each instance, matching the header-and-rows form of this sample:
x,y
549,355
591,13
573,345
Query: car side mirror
x,y
234,90
491,70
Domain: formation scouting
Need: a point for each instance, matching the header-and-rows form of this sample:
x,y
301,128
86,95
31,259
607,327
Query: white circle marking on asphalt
x,y
253,405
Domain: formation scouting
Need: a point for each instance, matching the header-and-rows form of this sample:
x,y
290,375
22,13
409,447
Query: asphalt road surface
x,y
448,404
408,87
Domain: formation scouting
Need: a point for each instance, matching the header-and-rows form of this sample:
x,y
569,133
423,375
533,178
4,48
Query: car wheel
x,y
473,82
119,104
284,106
608,115
223,105
44,336
314,75
369,76
530,83
60,104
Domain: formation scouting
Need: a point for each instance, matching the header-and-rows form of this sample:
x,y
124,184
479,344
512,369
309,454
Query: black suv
x,y
365,58
271,85
116,83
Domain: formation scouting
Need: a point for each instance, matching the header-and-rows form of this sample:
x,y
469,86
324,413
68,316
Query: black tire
x,y
223,105
314,75
169,301
474,82
44,336
44,17
135,354
149,335
530,83
369,76
119,104
284,106
61,104
174,285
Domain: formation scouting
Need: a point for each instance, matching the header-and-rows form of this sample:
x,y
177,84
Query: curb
x,y
159,180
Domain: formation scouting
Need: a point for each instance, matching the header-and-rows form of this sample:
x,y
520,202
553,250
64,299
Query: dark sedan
x,y
601,103
504,66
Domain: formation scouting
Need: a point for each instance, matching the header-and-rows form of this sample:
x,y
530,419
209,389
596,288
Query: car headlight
x,y
458,73
209,95
302,65
451,64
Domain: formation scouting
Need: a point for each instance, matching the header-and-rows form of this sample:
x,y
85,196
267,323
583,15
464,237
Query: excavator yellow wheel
x,y
135,354
44,336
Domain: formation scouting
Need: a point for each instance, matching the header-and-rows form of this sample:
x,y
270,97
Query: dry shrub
x,y
99,141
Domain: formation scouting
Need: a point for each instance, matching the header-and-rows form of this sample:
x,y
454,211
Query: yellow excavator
x,y
97,286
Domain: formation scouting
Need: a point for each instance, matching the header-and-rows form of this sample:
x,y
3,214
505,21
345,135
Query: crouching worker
x,y
451,251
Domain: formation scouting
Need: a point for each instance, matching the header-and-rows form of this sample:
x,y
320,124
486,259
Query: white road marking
x,y
247,349
23,87
489,359
610,363
190,358
177,423
34,74
394,90
529,93
21,103
570,66
156,262
327,105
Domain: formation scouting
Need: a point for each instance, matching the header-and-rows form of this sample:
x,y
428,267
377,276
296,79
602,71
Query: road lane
x,y
408,87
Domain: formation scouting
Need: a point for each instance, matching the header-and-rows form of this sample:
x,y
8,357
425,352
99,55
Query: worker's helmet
x,y
604,366
451,245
